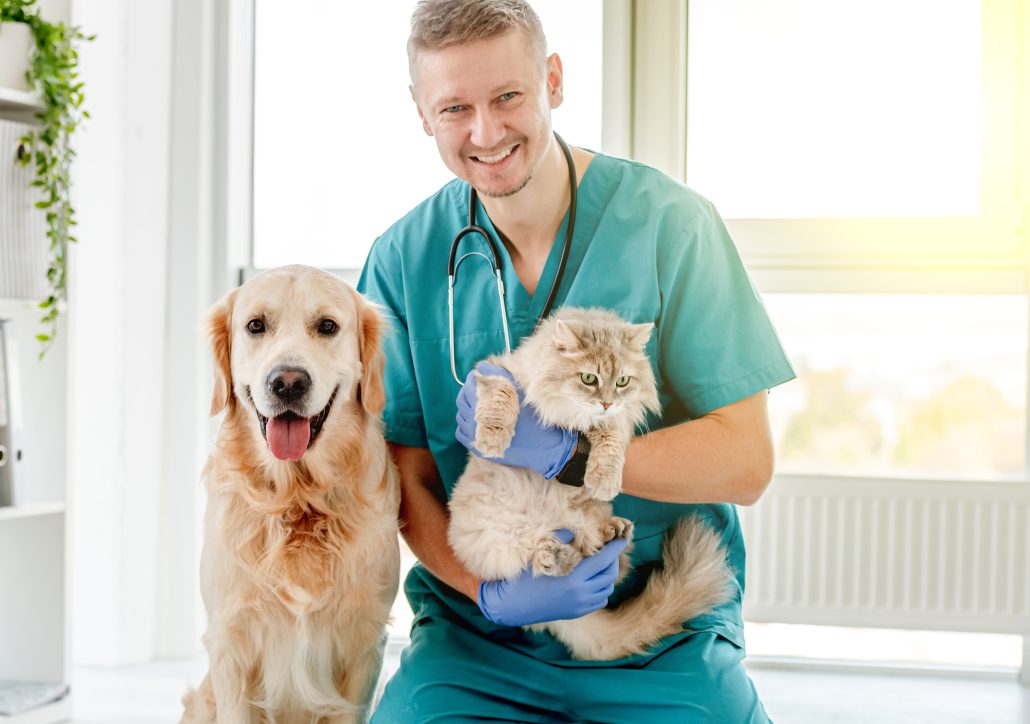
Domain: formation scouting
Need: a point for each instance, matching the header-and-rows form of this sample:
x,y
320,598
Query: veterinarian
x,y
643,246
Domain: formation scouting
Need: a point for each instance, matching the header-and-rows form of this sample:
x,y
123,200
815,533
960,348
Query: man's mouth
x,y
496,158
288,434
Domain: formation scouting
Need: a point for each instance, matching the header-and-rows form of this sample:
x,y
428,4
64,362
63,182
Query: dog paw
x,y
617,527
554,558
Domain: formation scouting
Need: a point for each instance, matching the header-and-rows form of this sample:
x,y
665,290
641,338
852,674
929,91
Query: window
x,y
339,152
805,109
867,159
862,156
842,134
902,385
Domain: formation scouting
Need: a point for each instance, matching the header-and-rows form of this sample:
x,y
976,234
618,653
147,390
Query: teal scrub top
x,y
646,247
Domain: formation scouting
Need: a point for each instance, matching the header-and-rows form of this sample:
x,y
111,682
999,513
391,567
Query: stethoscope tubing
x,y
495,264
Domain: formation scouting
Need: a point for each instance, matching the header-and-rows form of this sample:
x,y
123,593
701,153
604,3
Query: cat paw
x,y
601,484
497,411
616,527
554,558
492,442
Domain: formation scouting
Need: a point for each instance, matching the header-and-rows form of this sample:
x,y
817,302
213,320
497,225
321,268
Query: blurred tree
x,y
837,429
966,427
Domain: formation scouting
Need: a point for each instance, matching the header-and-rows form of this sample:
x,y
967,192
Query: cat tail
x,y
695,579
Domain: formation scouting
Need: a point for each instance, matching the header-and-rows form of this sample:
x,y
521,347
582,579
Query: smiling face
x,y
289,344
488,105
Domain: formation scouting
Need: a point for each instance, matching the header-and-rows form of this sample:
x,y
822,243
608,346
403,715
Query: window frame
x,y
867,254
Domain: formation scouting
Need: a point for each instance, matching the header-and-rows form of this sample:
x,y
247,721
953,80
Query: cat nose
x,y
606,405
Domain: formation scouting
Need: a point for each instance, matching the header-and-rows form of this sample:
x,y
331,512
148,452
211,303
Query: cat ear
x,y
638,334
565,338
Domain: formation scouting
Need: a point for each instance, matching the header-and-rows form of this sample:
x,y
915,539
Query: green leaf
x,y
43,337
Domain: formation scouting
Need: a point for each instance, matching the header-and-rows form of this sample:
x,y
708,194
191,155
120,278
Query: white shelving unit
x,y
34,573
16,105
35,580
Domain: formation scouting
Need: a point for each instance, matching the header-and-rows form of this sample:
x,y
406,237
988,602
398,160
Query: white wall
x,y
116,314
162,226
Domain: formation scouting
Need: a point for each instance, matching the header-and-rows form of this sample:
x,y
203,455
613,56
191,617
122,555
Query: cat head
x,y
591,370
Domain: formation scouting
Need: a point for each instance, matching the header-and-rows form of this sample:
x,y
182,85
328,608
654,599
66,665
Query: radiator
x,y
23,243
919,554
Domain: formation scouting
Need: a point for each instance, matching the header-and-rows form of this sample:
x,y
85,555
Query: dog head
x,y
290,346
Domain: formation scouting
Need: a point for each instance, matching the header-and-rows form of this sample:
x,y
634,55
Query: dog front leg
x,y
357,682
230,672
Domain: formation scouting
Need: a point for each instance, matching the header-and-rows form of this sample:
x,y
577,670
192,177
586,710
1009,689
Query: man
x,y
644,246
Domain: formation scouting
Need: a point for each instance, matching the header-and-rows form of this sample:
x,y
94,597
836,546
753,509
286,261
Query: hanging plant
x,y
52,74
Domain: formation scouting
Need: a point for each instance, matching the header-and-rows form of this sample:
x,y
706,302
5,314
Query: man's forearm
x,y
723,457
424,523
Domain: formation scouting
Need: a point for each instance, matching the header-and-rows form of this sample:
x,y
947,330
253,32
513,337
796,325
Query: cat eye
x,y
622,381
588,379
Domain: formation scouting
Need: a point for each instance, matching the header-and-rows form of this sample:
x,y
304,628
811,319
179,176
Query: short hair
x,y
437,24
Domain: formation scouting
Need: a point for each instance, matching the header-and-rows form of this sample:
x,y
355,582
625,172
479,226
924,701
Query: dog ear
x,y
370,331
219,336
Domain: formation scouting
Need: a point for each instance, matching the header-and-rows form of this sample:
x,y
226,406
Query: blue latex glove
x,y
530,599
541,447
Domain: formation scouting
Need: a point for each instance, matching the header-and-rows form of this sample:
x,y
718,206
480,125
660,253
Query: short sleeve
x,y
716,343
402,415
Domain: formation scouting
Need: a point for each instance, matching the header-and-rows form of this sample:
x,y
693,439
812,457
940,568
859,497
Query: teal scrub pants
x,y
451,674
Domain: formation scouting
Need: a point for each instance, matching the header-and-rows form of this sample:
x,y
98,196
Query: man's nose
x,y
487,130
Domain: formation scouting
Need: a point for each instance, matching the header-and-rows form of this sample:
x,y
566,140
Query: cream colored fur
x,y
300,563
503,518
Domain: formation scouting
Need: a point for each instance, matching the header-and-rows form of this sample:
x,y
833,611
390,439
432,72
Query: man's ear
x,y
555,80
421,115
219,335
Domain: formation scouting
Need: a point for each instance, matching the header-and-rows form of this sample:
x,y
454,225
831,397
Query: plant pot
x,y
24,247
15,48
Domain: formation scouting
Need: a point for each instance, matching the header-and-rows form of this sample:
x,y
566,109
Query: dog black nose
x,y
289,384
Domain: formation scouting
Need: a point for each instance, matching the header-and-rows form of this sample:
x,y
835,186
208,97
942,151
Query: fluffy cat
x,y
584,370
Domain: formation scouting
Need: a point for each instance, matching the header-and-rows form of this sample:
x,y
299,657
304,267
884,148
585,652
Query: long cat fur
x,y
503,518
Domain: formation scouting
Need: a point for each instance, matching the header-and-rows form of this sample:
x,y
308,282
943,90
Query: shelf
x,y
17,105
49,714
30,510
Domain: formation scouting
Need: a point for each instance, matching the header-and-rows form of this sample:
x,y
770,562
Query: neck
x,y
528,220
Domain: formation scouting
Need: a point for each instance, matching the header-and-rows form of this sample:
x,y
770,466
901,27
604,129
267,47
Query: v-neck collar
x,y
524,309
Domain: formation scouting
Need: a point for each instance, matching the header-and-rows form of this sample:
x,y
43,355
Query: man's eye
x,y
507,96
255,326
453,109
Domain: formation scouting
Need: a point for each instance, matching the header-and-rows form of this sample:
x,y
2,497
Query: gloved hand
x,y
541,447
530,599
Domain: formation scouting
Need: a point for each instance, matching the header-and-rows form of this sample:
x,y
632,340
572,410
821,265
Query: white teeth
x,y
499,157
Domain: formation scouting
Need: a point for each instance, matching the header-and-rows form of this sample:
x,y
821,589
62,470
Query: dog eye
x,y
327,326
255,326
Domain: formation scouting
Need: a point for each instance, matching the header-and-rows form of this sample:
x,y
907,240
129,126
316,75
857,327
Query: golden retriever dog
x,y
300,562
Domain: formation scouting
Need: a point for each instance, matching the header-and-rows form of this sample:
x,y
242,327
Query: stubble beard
x,y
510,192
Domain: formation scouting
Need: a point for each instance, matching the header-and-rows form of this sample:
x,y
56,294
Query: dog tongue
x,y
288,438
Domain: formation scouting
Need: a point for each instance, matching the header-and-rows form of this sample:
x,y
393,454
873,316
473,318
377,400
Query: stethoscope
x,y
495,263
